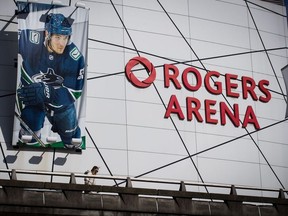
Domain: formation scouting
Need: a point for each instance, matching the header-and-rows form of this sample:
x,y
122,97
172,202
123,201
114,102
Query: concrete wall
x,y
44,198
128,134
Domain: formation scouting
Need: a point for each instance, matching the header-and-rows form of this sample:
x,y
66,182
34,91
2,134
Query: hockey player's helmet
x,y
58,24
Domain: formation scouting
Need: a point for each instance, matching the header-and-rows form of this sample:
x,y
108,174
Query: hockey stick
x,y
29,130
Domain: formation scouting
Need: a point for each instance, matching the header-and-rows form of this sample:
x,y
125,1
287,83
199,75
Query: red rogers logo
x,y
149,68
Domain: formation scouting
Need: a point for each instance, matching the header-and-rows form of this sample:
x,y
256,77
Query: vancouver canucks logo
x,y
34,37
50,78
75,53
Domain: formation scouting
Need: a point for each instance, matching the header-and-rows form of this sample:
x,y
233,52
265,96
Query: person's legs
x,y
34,117
65,123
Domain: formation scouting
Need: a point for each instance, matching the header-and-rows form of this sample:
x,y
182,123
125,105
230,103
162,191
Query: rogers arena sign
x,y
193,105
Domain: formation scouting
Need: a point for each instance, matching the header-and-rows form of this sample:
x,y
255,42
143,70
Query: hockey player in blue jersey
x,y
52,78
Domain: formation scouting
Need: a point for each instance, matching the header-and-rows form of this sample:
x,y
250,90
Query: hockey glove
x,y
35,93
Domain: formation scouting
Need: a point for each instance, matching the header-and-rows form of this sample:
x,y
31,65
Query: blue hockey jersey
x,y
65,72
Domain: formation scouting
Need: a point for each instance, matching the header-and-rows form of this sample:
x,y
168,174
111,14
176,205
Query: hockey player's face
x,y
58,43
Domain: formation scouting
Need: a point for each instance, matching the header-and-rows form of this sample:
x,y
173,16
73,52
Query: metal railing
x,y
12,172
124,181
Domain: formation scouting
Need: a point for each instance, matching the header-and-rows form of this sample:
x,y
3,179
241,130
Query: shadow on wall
x,y
37,158
8,69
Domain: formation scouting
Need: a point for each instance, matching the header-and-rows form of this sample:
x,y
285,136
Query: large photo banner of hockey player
x,y
51,81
